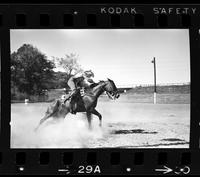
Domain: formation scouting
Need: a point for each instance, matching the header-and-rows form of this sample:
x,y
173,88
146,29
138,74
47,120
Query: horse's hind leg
x,y
41,121
50,111
89,117
95,112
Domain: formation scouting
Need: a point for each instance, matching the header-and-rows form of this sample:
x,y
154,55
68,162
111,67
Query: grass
x,y
161,98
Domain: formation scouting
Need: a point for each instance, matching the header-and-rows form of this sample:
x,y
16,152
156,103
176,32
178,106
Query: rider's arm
x,y
90,81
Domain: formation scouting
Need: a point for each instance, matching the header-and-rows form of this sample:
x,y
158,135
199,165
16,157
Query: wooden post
x,y
26,101
155,91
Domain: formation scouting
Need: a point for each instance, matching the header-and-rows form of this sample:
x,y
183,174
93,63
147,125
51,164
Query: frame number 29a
x,y
89,169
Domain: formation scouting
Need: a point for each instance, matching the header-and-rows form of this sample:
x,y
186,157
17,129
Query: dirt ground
x,y
125,125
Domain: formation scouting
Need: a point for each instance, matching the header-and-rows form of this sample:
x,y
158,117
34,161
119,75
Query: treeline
x,y
32,73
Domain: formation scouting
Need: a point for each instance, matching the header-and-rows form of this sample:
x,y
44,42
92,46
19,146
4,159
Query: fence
x,y
150,85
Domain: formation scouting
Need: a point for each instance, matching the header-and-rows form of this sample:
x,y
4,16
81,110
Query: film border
x,y
111,161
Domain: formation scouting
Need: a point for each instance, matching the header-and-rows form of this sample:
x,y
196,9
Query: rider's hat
x,y
88,73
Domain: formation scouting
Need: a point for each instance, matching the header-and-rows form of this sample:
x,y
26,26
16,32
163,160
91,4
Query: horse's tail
x,y
51,110
53,107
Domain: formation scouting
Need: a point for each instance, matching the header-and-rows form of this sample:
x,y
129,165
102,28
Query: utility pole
x,y
154,94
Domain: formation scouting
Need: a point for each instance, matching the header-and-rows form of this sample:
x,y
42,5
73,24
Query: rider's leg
x,y
71,83
72,86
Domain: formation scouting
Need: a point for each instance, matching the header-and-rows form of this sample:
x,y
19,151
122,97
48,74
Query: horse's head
x,y
111,89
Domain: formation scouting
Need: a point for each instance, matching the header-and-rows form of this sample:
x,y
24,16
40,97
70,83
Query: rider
x,y
73,82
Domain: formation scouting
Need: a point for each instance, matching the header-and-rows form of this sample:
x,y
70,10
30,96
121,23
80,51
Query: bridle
x,y
110,95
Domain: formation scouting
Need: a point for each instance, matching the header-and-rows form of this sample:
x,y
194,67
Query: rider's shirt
x,y
87,80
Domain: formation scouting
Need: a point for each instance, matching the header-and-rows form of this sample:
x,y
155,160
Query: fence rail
x,y
150,85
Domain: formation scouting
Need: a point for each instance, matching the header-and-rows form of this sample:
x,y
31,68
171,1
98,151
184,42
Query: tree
x,y
31,72
60,80
70,64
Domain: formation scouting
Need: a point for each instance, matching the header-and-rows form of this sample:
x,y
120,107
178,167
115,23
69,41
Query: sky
x,y
123,55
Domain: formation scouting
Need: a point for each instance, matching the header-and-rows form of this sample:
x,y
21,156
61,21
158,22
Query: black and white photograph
x,y
100,88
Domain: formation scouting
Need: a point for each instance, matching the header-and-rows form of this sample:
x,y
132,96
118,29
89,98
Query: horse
x,y
86,103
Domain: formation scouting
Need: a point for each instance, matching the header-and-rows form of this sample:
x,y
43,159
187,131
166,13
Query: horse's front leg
x,y
95,112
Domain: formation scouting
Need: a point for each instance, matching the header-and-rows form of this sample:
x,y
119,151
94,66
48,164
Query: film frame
x,y
109,161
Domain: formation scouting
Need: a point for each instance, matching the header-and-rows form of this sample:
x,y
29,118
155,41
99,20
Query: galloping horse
x,y
86,103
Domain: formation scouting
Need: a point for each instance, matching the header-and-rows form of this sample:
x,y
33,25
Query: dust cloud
x,y
71,132
166,121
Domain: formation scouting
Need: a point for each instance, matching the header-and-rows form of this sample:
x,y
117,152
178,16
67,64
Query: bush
x,y
19,96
